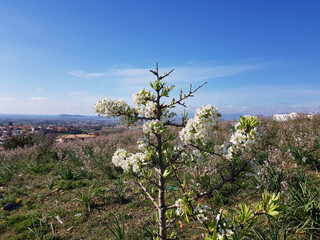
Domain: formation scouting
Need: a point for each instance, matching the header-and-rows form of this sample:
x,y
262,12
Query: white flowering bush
x,y
246,134
198,130
164,156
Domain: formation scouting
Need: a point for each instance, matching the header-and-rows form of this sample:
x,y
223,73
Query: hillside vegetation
x,y
73,191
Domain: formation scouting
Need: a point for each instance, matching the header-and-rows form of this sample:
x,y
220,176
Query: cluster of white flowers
x,y
143,143
181,208
111,108
178,147
145,103
154,126
142,96
225,225
150,111
241,140
202,213
127,161
224,232
201,126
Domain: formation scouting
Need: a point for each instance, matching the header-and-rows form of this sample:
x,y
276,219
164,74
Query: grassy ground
x,y
72,191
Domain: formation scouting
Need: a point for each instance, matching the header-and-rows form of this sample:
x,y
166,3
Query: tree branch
x,y
149,195
170,123
166,74
185,96
205,150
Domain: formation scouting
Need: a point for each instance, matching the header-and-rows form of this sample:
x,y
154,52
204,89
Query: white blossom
x,y
180,207
201,126
201,218
142,96
128,161
153,127
111,108
202,212
150,110
241,140
178,147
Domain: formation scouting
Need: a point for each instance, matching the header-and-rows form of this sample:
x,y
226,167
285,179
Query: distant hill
x,y
71,116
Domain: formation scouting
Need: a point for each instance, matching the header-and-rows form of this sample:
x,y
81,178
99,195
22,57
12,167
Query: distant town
x,y
63,128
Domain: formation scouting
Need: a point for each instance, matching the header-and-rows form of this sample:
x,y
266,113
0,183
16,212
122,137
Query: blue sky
x,y
63,56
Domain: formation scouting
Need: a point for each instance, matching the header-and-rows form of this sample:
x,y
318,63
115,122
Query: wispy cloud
x,y
6,99
82,74
262,99
194,72
38,99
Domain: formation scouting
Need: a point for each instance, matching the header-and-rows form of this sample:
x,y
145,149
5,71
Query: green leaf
x,y
171,137
186,217
189,209
166,173
273,213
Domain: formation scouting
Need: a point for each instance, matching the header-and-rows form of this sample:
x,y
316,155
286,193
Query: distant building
x,y
73,137
285,117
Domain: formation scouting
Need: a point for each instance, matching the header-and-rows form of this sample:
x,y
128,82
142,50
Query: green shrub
x,y
21,223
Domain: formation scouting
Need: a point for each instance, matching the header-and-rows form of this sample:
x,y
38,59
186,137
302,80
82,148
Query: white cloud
x,y
262,99
190,72
82,74
250,99
4,100
181,74
38,99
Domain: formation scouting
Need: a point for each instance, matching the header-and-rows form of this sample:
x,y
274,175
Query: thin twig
x,y
185,96
149,195
205,150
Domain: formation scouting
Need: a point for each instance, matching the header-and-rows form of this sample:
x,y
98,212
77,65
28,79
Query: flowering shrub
x,y
199,129
163,157
246,134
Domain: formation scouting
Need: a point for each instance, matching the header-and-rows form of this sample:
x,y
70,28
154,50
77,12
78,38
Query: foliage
x,y
86,198
13,142
119,189
284,160
117,227
162,158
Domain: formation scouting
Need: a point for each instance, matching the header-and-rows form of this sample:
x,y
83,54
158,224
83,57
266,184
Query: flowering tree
x,y
165,157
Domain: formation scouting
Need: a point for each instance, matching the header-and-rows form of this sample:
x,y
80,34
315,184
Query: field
x,y
73,191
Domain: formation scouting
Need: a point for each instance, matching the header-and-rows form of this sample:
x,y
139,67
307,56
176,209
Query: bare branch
x,y
205,150
152,182
170,123
149,195
185,96
172,206
171,223
166,74
156,71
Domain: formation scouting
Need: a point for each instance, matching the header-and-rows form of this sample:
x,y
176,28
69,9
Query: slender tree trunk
x,y
162,167
161,197
162,210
